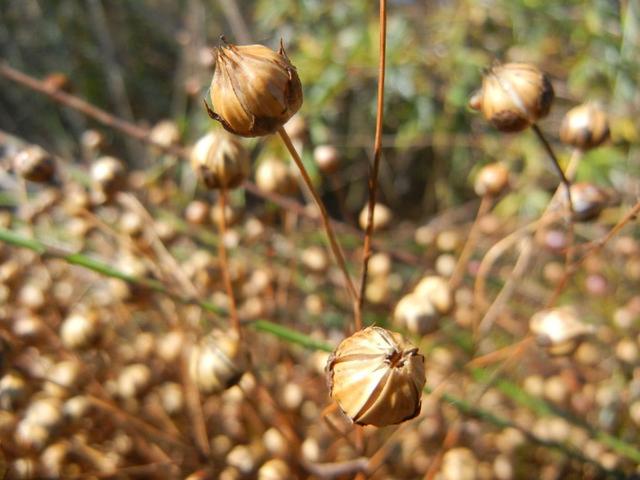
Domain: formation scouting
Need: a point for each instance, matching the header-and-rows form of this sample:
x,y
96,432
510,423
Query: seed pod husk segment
x,y
254,89
377,377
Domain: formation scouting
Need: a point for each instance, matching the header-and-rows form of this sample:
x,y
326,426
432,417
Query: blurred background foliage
x,y
150,59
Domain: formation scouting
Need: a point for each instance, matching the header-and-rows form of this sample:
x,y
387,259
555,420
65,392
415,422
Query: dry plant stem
x,y
373,174
335,246
467,250
224,262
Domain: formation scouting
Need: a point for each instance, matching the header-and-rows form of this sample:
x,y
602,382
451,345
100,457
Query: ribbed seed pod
x,y
559,330
220,160
376,377
514,96
585,126
254,89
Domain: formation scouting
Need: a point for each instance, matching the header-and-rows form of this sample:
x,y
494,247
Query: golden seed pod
x,y
220,160
585,126
416,314
35,164
254,89
79,330
559,330
514,96
92,141
376,377
382,216
436,290
133,380
165,133
274,469
275,176
588,201
492,180
327,158
218,361
315,259
13,391
108,175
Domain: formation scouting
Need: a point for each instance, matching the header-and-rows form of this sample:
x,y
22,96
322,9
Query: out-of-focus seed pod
x,y
382,217
245,457
459,464
492,180
585,126
131,224
80,329
197,212
254,89
13,391
275,176
296,128
416,314
588,201
76,407
171,397
379,265
514,96
327,158
92,141
315,259
220,160
53,458
134,380
445,264
61,377
108,176
165,133
218,361
35,164
448,241
274,469
231,215
377,377
627,351
559,330
436,290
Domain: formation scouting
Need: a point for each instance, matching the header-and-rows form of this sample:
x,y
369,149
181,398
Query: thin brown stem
x,y
333,242
373,175
224,262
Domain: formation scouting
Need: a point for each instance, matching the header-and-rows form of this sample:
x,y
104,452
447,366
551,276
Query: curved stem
x,y
224,263
333,242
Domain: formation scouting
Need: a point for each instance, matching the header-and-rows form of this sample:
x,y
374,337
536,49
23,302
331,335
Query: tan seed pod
x,y
220,160
514,96
274,469
377,377
35,164
13,391
382,216
108,175
254,89
80,329
459,464
492,180
436,290
559,330
588,201
134,380
218,361
416,314
275,176
585,126
327,158
165,133
315,259
92,140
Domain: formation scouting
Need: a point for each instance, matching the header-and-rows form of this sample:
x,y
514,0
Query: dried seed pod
x,y
376,377
585,126
459,464
134,380
108,175
514,96
275,176
254,89
315,259
13,391
492,180
588,201
327,158
416,314
559,330
165,133
220,160
218,361
80,329
382,216
437,291
274,469
92,141
35,164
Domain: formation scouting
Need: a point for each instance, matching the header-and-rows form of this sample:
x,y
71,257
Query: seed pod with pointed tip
x,y
559,330
254,89
585,126
588,201
514,96
377,377
220,160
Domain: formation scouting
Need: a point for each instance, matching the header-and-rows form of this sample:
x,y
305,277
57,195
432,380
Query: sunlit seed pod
x,y
379,264
275,176
627,351
509,440
46,411
515,95
53,458
165,133
23,468
588,201
32,296
417,314
171,397
13,391
254,90
424,235
382,216
296,128
291,396
108,175
230,473
377,377
61,378
92,141
445,264
459,464
315,259
377,290
245,457
232,215
559,330
275,443
492,180
28,327
169,346
220,160
76,407
131,224
274,469
197,212
134,380
585,126
556,389
437,291
327,158
475,100
80,329
218,361
35,164
32,436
